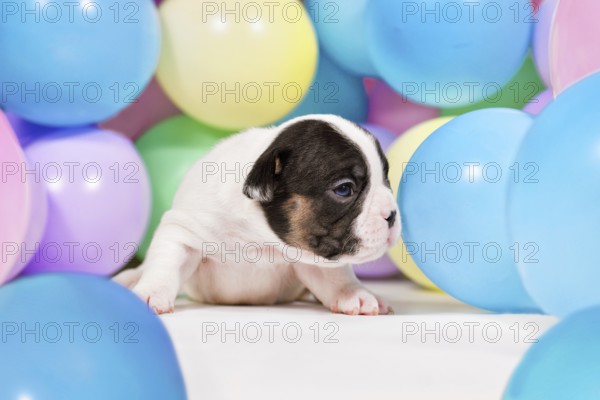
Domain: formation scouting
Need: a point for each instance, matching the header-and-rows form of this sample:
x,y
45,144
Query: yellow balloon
x,y
236,63
399,154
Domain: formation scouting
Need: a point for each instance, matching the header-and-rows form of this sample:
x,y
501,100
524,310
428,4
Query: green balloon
x,y
523,87
169,149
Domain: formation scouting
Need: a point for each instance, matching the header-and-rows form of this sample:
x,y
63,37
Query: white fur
x,y
216,244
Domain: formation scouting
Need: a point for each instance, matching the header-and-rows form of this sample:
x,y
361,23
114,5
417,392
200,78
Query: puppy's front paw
x,y
160,300
357,300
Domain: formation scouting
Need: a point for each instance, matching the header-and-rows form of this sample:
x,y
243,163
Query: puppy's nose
x,y
391,219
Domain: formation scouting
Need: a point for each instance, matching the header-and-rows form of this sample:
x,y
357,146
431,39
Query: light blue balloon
x,y
563,364
76,336
341,29
555,205
333,91
448,54
75,63
453,199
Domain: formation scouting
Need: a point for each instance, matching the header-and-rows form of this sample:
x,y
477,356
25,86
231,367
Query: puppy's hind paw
x,y
158,300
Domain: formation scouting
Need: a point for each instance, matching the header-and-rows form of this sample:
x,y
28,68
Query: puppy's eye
x,y
344,190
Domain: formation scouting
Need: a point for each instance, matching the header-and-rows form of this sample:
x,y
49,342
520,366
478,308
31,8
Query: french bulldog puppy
x,y
271,213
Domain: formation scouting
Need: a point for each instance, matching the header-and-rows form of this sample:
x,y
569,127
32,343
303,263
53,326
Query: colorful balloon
x,y
553,209
152,107
450,56
98,201
105,340
169,149
334,91
237,69
390,110
382,267
536,105
26,131
76,63
541,38
453,199
536,4
369,84
384,136
563,364
521,90
23,205
399,155
574,51
341,28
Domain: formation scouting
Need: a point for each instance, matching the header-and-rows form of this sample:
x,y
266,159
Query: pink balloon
x,y
391,111
538,103
151,107
541,38
574,43
382,267
536,4
369,84
98,201
22,205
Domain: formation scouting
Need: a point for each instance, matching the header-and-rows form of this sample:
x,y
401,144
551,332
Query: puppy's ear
x,y
263,178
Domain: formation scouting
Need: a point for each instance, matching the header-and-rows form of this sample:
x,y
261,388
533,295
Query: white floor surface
x,y
433,347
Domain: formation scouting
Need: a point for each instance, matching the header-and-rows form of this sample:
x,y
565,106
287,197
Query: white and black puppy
x,y
316,199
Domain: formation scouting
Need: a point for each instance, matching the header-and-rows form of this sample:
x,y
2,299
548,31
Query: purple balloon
x,y
385,136
28,132
394,112
382,267
538,103
98,201
541,38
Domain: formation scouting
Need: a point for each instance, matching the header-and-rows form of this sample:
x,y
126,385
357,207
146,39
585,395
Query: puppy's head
x,y
323,186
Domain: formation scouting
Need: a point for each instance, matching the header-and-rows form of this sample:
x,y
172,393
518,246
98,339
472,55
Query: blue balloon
x,y
75,63
448,54
341,29
333,91
563,364
453,200
555,206
76,336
